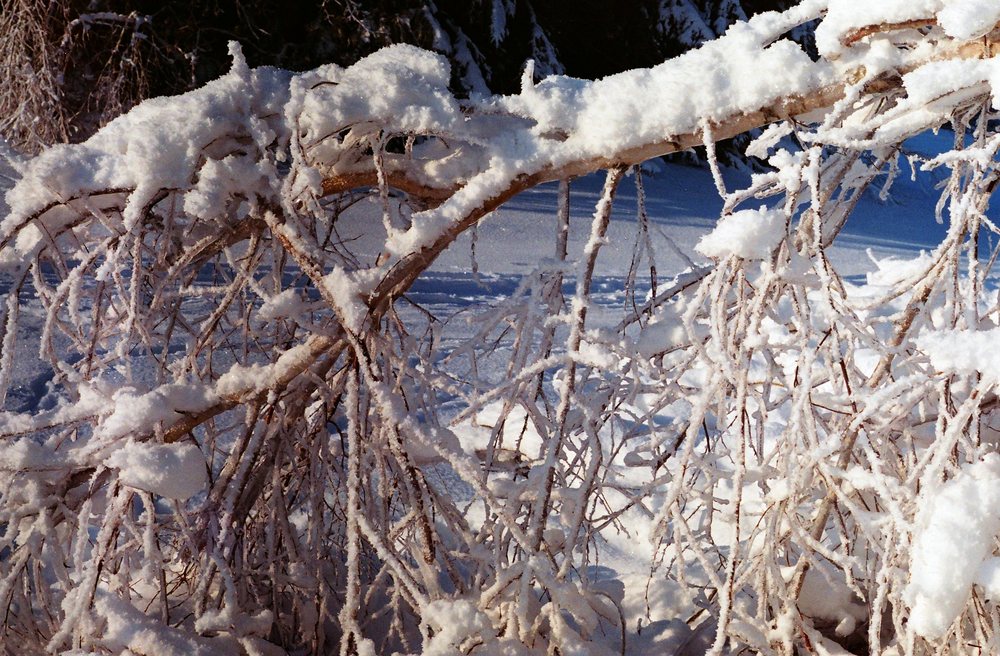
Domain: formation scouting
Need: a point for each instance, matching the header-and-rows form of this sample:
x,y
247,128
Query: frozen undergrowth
x,y
253,442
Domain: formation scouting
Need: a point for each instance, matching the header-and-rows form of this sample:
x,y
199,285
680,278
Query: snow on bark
x,y
155,147
711,83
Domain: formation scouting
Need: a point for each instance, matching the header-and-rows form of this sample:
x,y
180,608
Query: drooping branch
x,y
411,175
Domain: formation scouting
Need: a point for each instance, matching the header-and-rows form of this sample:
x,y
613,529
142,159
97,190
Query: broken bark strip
x,y
856,35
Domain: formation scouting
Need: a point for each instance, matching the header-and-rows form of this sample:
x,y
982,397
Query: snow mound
x,y
129,630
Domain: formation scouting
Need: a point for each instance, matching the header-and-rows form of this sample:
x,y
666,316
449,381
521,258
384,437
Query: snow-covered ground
x,y
683,205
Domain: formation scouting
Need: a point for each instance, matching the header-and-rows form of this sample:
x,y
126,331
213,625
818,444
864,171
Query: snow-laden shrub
x,y
252,443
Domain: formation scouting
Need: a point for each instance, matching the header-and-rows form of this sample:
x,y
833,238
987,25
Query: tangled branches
x,y
254,443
